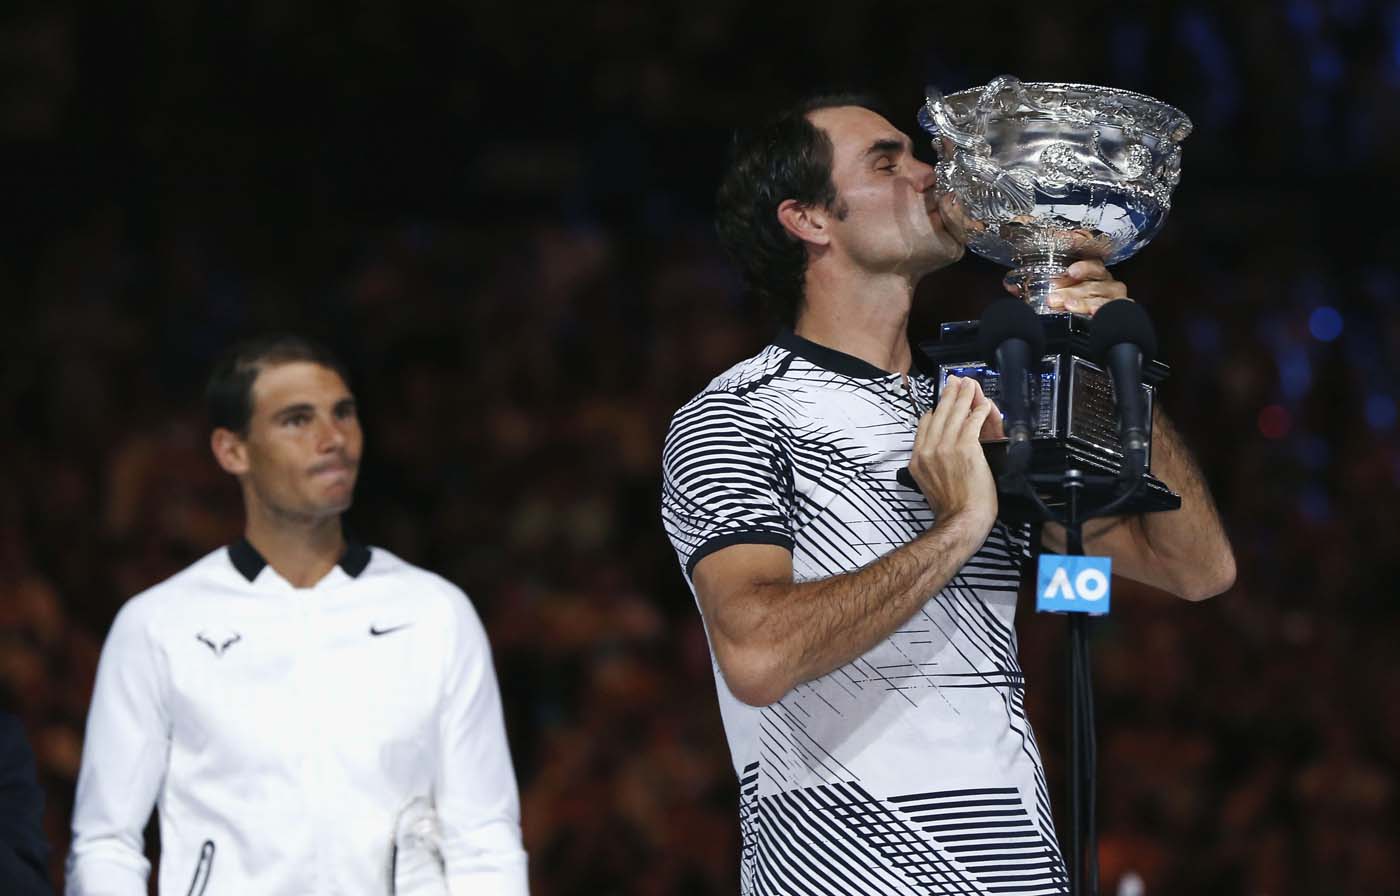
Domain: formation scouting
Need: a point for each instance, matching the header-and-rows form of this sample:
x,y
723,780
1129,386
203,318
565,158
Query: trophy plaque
x,y
1036,176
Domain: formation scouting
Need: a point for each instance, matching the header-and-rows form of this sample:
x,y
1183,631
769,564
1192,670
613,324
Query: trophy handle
x,y
987,99
1017,194
935,118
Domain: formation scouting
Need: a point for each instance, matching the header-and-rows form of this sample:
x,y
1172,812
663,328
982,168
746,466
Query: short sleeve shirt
x,y
912,769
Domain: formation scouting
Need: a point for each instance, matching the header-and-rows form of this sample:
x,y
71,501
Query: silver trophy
x,y
1036,176
416,865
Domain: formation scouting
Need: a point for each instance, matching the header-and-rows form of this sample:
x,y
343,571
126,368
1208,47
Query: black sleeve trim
x,y
749,536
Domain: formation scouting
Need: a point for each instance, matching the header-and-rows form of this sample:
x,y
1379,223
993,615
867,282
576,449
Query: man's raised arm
x,y
770,633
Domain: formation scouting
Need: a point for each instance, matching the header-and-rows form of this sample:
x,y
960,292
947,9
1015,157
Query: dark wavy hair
x,y
229,393
787,157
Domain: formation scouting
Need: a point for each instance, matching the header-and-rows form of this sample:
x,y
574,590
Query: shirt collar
x,y
250,563
830,358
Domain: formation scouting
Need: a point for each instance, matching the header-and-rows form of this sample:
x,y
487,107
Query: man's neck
x,y
300,551
863,315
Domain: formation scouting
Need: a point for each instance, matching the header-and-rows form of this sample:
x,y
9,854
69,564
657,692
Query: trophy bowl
x,y
1038,175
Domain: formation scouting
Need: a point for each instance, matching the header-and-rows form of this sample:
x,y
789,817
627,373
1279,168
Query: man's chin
x,y
339,506
333,503
941,258
952,252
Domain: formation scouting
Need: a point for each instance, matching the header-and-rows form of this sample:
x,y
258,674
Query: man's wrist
x,y
966,526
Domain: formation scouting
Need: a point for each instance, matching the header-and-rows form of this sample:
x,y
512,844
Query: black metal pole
x,y
1089,756
1076,814
1082,855
1083,859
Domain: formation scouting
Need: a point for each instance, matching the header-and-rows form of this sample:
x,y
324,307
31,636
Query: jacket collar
x,y
250,563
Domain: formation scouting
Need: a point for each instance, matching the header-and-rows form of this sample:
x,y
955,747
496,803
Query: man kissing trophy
x,y
1036,176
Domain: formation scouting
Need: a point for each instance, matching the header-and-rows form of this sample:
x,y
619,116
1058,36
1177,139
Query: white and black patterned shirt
x,y
912,769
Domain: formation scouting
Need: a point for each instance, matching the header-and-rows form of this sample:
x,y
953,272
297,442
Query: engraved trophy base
x,y
1075,421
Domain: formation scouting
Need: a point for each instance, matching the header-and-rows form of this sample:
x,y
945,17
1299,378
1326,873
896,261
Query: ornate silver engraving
x,y
1038,175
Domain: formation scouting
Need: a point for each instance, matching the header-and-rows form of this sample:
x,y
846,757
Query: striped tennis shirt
x,y
912,769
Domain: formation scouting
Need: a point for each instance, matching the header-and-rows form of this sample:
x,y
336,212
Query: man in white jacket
x,y
311,715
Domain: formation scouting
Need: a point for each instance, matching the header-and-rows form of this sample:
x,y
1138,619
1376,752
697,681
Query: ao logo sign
x,y
1073,584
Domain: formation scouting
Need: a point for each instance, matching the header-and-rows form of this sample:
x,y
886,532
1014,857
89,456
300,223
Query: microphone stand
x,y
1012,341
1083,858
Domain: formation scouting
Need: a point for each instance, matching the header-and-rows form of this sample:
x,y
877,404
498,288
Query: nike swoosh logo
x,y
384,631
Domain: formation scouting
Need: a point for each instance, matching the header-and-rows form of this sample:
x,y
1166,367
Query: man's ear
x,y
806,223
229,450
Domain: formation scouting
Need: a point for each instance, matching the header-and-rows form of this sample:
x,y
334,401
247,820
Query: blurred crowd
x,y
505,229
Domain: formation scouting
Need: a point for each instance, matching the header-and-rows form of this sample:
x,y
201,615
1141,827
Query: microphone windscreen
x,y
1119,321
1009,319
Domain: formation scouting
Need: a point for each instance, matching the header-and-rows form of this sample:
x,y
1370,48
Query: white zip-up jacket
x,y
282,731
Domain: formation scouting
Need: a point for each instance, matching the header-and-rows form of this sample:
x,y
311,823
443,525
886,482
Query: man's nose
x,y
924,176
331,436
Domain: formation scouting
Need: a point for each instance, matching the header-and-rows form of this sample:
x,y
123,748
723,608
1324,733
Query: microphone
x,y
1012,341
1122,339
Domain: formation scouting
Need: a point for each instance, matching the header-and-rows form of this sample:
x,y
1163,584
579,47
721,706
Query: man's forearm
x,y
1182,551
791,632
1191,541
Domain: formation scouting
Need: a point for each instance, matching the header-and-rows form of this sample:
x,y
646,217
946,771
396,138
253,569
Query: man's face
x,y
301,454
891,220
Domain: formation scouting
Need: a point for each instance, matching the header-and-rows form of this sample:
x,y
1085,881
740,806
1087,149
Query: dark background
x,y
500,213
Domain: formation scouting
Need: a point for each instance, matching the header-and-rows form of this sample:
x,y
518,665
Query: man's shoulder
x,y
764,369
213,570
385,563
746,388
412,580
170,599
